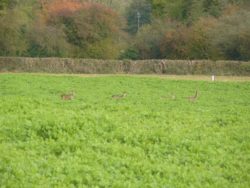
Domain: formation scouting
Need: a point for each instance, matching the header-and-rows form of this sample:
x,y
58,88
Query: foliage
x,y
138,14
88,27
3,4
199,43
148,139
190,10
148,41
12,35
48,41
232,35
117,5
112,29
130,53
174,43
104,49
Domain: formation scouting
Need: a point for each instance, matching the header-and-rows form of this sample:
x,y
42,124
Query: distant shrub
x,y
130,53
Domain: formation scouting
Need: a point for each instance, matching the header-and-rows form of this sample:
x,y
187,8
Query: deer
x,y
193,98
68,96
121,96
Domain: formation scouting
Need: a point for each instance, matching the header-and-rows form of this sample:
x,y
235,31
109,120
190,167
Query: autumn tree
x,y
174,43
14,25
199,45
148,40
231,36
91,29
139,29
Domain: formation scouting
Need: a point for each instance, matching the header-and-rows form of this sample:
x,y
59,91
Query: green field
x,y
153,137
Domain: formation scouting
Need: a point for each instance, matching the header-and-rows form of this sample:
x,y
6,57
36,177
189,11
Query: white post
x,y
213,78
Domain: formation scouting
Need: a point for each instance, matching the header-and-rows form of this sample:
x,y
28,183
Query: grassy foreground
x,y
153,137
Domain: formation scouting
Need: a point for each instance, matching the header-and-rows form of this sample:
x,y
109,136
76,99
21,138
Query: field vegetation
x,y
119,131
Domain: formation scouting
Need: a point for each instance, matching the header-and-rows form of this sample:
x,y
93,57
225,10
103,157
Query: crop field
x,y
123,131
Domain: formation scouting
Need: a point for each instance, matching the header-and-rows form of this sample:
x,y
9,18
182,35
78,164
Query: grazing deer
x,y
121,96
68,96
193,98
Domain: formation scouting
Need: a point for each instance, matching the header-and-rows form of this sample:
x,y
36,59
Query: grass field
x,y
153,137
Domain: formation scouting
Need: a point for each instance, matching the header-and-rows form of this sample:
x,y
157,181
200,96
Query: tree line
x,y
133,29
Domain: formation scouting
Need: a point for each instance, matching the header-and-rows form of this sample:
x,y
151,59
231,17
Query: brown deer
x,y
193,98
121,96
68,96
